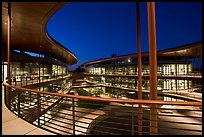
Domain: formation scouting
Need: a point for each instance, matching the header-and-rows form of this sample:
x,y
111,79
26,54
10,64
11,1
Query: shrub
x,y
89,103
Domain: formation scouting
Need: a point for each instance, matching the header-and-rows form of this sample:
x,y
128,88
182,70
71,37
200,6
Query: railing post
x,y
21,80
5,97
38,109
62,72
73,116
15,81
32,77
18,105
132,120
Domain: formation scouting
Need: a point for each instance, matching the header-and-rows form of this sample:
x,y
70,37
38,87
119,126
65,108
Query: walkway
x,y
180,93
12,125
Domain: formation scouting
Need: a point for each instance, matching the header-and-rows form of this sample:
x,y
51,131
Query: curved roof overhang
x,y
28,29
192,50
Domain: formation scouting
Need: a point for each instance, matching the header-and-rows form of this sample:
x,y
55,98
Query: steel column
x,y
152,64
139,69
8,54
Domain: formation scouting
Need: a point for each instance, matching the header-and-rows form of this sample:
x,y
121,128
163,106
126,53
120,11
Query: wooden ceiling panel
x,y
28,29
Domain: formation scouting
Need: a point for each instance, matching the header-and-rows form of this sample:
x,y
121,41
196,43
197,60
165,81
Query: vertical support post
x,y
8,43
38,109
21,80
2,78
132,120
29,71
54,73
19,98
5,95
26,79
15,78
57,72
38,96
139,69
23,67
73,116
33,78
43,72
186,71
8,54
39,68
62,71
176,67
199,66
152,64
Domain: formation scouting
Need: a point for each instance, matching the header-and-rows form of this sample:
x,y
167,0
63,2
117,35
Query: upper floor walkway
x,y
13,125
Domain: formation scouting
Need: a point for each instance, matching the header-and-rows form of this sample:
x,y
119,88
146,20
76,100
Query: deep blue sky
x,y
94,30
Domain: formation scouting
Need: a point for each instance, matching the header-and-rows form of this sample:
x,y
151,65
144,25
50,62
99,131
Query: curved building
x,y
178,69
31,58
30,44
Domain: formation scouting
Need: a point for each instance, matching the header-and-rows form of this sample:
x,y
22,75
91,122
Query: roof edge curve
x,y
50,38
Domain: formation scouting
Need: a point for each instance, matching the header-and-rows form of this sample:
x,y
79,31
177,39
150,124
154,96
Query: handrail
x,y
133,101
147,75
174,93
77,114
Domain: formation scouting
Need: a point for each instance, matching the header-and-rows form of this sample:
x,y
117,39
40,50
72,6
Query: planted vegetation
x,y
89,103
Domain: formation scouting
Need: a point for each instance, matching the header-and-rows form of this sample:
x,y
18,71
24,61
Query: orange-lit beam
x,y
139,69
8,43
8,53
152,64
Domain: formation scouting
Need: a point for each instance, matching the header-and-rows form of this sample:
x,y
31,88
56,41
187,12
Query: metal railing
x,y
28,80
189,74
76,114
187,94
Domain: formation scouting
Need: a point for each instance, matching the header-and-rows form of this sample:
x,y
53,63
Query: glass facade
x,y
173,75
33,70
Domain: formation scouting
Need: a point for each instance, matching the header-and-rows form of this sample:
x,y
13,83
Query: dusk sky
x,y
94,30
